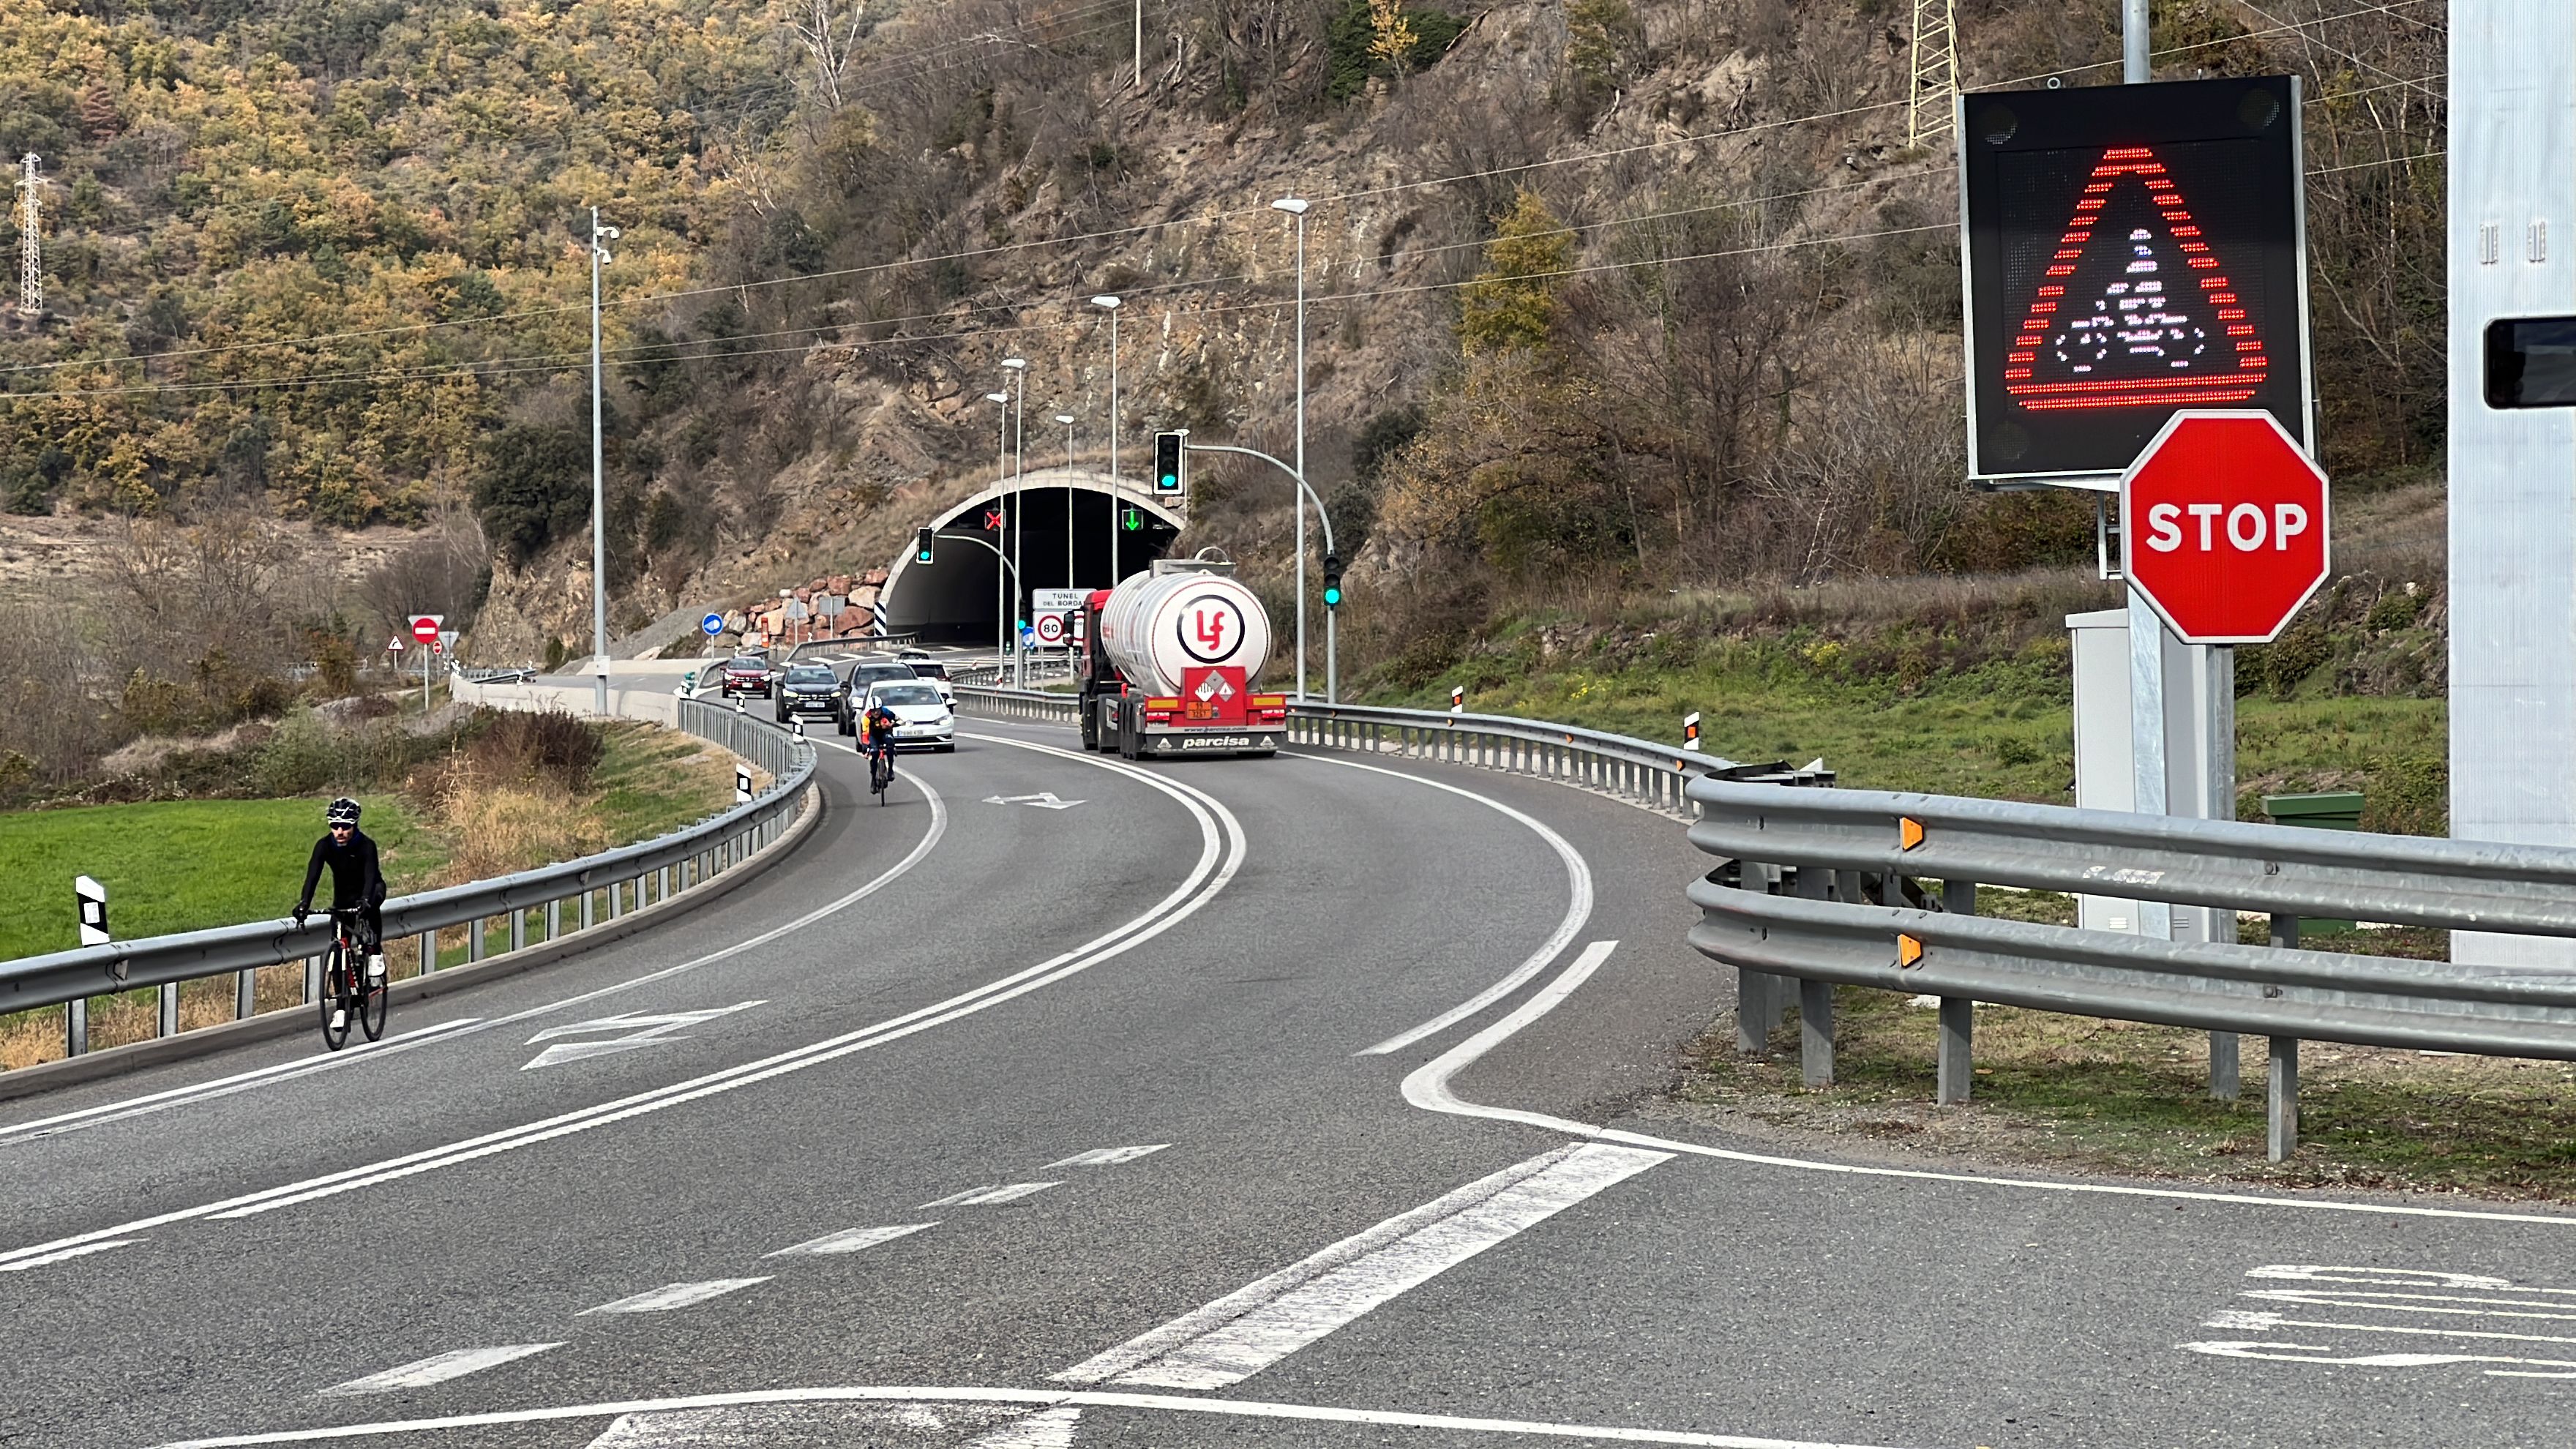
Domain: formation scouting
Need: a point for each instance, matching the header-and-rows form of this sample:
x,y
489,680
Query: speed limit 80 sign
x,y
2223,526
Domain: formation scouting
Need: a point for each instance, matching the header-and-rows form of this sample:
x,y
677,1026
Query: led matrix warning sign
x,y
2131,251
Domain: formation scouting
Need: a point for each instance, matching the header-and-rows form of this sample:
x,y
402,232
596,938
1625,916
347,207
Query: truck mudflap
x,y
1171,742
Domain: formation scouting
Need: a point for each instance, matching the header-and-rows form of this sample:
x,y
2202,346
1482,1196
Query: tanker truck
x,y
1170,658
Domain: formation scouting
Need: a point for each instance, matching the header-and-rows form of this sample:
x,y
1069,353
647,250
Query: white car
x,y
930,669
923,720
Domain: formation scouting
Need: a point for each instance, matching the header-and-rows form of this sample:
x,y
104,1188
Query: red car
x,y
748,674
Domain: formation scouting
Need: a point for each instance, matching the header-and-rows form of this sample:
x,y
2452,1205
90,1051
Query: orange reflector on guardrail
x,y
1909,832
1908,950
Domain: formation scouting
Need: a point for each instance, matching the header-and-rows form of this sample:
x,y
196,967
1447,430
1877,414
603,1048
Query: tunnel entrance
x,y
1064,537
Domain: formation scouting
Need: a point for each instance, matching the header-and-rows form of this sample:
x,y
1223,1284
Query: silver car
x,y
923,721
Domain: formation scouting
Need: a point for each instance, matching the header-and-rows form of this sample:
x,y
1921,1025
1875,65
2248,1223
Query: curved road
x,y
983,1122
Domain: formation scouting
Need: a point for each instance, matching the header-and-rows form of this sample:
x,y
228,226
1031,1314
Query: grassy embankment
x,y
185,865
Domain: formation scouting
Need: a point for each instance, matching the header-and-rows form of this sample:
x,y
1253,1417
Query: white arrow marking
x,y
1044,800
1045,1429
642,1030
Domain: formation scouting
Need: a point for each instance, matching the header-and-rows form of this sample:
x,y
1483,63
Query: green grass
x,y
179,865
2001,728
638,794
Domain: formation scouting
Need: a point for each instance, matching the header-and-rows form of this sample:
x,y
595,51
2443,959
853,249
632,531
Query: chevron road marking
x,y
1108,1156
980,1196
676,1295
849,1240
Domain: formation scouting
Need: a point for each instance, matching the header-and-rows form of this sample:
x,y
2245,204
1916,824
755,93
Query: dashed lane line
x,y
981,1196
850,1240
672,1296
436,1369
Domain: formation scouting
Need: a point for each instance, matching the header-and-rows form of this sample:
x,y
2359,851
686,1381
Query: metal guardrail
x,y
1639,771
612,881
1826,887
480,674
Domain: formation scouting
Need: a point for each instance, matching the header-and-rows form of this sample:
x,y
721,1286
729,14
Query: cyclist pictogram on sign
x,y
2136,309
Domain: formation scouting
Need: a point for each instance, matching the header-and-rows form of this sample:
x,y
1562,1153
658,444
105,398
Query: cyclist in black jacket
x,y
357,881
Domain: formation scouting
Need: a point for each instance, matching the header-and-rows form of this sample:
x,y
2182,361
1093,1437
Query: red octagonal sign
x,y
2223,526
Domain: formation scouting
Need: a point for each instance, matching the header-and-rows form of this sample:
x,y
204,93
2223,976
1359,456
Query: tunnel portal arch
x,y
957,597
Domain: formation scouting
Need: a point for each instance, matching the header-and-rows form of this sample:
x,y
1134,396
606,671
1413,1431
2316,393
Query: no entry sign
x,y
424,627
2223,526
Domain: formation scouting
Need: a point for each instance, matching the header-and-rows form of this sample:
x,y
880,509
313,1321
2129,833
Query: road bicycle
x,y
880,769
345,989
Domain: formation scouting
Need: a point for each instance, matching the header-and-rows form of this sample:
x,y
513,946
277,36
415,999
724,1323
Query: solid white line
x,y
1220,834
1578,909
67,1254
1442,1100
1270,1332
979,1196
436,1369
849,1240
450,1031
675,1295
1109,1156
1094,1398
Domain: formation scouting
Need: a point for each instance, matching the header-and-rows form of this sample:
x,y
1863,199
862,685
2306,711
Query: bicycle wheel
x,y
335,996
373,1005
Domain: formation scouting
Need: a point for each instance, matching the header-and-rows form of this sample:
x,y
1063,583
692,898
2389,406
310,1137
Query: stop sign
x,y
2223,526
424,627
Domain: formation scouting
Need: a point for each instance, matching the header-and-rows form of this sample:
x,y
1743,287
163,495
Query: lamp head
x,y
999,397
1293,205
1065,418
1015,363
1105,301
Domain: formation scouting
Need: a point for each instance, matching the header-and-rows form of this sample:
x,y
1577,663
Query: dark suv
x,y
863,674
809,689
748,674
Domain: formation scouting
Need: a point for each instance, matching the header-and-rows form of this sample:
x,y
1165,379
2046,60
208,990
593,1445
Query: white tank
x,y
1155,626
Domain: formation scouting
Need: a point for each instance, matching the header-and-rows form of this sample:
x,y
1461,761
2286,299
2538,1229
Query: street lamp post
x,y
1067,420
1296,206
1111,304
1001,585
1018,367
600,236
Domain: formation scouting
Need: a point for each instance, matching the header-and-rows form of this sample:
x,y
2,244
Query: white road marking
x,y
2319,1353
1109,1156
1221,856
1444,1101
775,1426
850,1240
438,1368
1070,1398
675,1295
1045,1429
980,1196
1257,1325
169,1097
67,1254
642,1030
1043,800
1578,909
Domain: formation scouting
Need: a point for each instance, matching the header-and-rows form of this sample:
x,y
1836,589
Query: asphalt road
x,y
983,1122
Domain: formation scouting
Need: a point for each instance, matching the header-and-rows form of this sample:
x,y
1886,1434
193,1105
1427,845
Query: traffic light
x,y
921,545
1332,581
1169,474
1131,520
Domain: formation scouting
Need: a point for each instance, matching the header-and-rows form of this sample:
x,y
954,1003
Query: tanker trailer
x,y
1170,659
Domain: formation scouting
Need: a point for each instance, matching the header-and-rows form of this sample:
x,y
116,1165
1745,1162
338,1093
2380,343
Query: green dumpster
x,y
2323,810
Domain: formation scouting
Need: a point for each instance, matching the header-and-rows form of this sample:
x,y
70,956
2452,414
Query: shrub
x,y
548,746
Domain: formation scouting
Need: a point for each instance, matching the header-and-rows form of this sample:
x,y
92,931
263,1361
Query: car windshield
x,y
907,694
810,674
748,663
881,671
928,669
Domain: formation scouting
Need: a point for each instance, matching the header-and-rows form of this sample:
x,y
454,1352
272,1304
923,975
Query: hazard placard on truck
x,y
1171,661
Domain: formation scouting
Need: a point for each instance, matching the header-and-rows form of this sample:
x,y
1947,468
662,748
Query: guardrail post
x,y
1816,1032
2281,1101
245,993
588,910
554,918
168,1024
518,928
76,1027
474,939
312,979
1956,1072
616,892
428,952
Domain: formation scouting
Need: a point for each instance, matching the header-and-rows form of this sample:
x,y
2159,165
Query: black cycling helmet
x,y
343,811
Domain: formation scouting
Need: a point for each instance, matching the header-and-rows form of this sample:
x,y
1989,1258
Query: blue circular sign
x,y
712,623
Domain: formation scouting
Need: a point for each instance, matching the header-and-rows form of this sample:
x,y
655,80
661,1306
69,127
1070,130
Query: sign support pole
x,y
2182,720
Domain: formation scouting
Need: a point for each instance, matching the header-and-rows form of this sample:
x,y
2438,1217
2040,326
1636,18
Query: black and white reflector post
x,y
742,784
92,899
1457,698
1690,730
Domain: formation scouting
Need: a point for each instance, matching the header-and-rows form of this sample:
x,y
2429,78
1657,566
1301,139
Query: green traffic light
x,y
1333,598
1132,520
